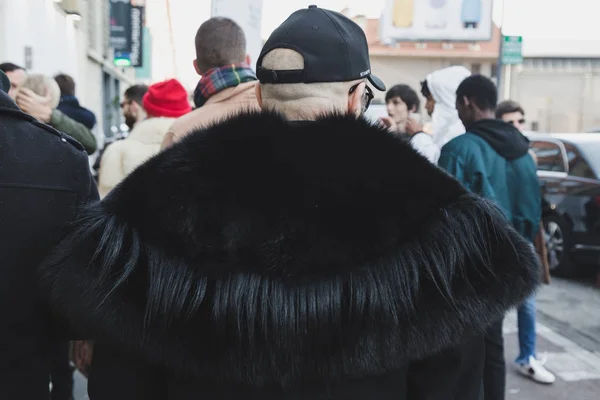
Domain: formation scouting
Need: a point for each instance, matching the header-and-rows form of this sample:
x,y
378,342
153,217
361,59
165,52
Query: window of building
x,y
494,71
476,68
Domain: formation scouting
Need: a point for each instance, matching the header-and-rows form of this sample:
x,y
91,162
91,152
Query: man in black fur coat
x,y
301,253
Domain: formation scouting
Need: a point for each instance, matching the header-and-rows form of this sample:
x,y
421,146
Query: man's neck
x,y
480,115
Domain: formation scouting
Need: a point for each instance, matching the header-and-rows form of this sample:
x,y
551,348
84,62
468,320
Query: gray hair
x,y
43,85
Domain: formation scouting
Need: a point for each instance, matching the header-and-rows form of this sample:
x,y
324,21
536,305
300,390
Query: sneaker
x,y
536,371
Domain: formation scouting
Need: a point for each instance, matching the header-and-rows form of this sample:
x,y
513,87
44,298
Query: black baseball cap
x,y
334,48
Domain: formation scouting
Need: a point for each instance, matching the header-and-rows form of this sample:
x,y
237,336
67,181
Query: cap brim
x,y
377,83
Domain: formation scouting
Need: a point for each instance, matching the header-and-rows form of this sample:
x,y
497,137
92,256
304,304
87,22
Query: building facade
x,y
558,84
69,36
410,62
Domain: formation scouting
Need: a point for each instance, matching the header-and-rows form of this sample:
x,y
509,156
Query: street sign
x,y
137,27
122,59
512,50
120,25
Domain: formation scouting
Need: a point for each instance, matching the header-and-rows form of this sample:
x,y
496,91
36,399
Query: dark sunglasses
x,y
368,94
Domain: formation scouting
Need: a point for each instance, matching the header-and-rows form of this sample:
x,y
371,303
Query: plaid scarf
x,y
218,79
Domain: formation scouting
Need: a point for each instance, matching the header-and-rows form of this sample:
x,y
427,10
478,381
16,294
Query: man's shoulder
x,y
20,126
37,154
464,144
209,114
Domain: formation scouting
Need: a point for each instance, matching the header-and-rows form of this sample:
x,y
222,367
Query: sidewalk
x,y
577,370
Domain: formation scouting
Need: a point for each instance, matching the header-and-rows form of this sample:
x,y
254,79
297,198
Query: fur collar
x,y
264,252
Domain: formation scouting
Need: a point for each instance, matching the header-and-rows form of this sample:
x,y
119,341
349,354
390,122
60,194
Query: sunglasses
x,y
368,94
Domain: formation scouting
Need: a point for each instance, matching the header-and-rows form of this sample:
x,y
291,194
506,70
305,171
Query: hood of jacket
x,y
269,253
507,140
442,84
151,131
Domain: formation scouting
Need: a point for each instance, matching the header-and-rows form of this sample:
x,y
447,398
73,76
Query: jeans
x,y
526,322
494,372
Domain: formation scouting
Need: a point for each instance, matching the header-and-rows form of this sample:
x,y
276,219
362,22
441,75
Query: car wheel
x,y
558,245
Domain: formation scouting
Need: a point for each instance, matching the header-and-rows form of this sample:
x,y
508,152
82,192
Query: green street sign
x,y
512,50
122,62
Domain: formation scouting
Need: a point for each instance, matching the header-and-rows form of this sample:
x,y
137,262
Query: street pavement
x,y
568,329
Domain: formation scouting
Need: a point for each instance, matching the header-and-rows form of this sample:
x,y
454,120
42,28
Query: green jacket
x,y
77,131
492,160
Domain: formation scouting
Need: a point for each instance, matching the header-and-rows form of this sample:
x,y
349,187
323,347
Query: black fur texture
x,y
271,253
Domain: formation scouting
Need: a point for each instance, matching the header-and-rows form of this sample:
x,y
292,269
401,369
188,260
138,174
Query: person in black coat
x,y
44,181
291,254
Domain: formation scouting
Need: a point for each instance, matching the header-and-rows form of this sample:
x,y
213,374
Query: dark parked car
x,y
569,172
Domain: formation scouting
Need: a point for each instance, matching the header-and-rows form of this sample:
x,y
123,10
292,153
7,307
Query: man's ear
x,y
258,92
196,67
355,100
466,101
248,59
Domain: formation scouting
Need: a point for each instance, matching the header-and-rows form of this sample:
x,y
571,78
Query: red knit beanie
x,y
166,99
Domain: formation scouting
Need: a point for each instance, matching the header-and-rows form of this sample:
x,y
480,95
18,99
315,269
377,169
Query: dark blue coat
x,y
44,179
69,105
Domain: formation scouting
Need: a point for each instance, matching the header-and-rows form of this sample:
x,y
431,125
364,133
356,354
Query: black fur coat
x,y
275,254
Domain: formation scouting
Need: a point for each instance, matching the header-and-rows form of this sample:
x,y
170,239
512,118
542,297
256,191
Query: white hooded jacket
x,y
445,122
123,156
445,125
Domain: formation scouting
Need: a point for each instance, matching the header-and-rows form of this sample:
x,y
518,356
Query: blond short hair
x,y
298,100
43,85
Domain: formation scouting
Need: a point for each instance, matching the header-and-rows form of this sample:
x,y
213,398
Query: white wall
x,y
41,25
60,44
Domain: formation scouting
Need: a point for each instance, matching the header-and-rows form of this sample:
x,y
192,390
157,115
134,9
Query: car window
x,y
578,166
549,156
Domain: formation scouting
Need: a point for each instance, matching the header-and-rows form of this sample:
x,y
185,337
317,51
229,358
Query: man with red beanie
x,y
163,102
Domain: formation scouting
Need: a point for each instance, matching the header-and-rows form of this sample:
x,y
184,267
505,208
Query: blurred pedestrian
x,y
491,159
400,101
163,102
61,373
527,363
44,182
43,107
132,107
439,89
402,106
292,253
228,83
43,85
16,75
511,112
69,104
133,112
